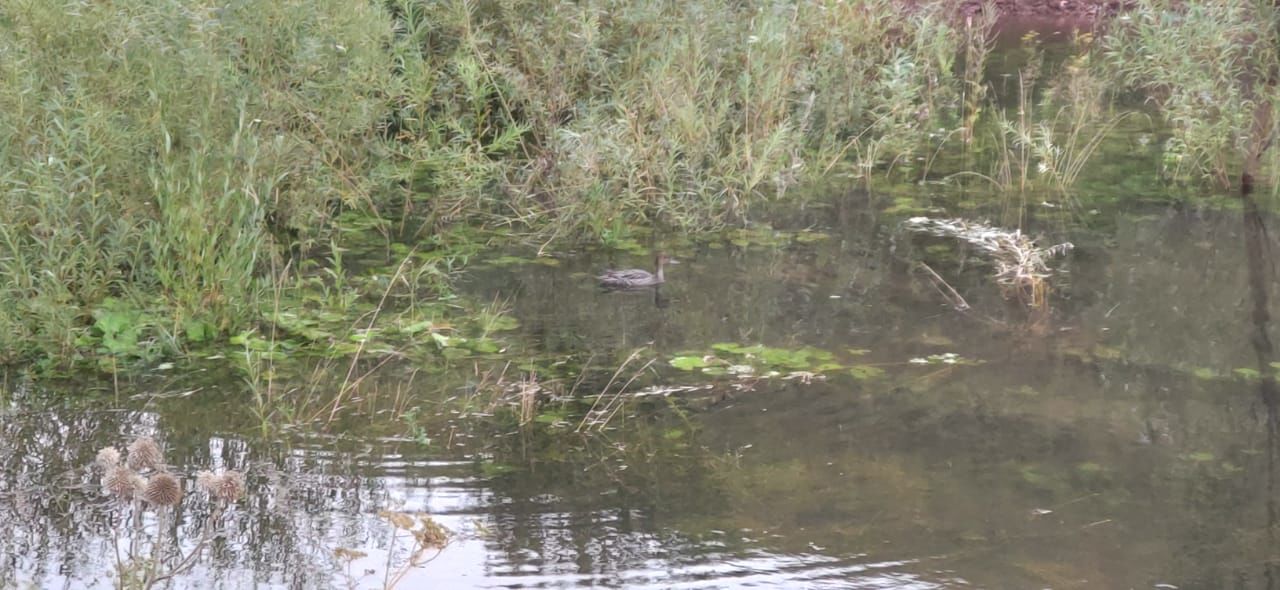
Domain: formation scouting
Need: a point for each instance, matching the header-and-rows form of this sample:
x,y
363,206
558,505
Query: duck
x,y
635,277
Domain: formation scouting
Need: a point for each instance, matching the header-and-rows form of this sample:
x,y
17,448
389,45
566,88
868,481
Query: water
x,y
1120,442
1125,438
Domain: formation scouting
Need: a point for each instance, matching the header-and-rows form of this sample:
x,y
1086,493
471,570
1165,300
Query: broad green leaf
x,y
689,363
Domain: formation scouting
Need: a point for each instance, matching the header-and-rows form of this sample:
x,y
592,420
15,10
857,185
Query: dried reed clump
x,y
425,530
144,454
162,489
1021,266
227,486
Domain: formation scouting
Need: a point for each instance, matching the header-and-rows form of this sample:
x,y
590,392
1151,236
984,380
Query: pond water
x,y
1123,440
1123,436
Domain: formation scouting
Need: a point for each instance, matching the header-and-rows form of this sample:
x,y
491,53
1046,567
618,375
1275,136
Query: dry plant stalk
x,y
162,492
427,535
1022,268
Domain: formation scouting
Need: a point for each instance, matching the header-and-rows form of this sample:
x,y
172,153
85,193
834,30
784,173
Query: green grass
x,y
172,169
1207,66
656,112
156,153
162,162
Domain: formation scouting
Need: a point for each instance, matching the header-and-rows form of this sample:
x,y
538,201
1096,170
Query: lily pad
x,y
689,363
1204,373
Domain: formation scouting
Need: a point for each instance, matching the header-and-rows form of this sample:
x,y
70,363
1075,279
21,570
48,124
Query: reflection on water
x,y
1130,443
1259,273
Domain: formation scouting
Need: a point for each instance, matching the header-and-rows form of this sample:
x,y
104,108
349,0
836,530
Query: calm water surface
x,y
1124,440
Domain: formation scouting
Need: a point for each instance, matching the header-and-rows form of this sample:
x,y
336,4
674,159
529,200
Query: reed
x,y
1210,68
163,163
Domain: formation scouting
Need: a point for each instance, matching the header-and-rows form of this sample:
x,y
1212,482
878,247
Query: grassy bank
x,y
174,172
1212,69
164,162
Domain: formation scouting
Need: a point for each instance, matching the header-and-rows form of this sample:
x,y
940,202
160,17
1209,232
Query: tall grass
x,y
675,112
1209,67
1060,116
154,151
161,157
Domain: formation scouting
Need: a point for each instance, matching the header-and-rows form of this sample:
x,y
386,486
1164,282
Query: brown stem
x,y
190,560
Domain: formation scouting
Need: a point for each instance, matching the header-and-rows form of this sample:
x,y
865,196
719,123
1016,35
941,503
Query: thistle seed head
x,y
162,490
145,454
227,486
122,483
205,481
230,486
108,457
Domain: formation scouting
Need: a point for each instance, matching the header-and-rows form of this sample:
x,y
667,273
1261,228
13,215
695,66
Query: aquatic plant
x,y
759,362
1060,119
160,154
429,541
979,40
1021,266
688,123
152,555
427,536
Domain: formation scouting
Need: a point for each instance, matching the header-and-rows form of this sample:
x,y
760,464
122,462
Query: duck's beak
x,y
672,261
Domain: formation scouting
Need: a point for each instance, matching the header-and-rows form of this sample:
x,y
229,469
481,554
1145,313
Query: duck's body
x,y
634,277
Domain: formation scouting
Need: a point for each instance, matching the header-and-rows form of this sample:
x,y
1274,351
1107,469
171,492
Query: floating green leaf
x,y
809,237
1089,467
689,363
863,372
1032,476
482,345
1247,373
1204,373
491,469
